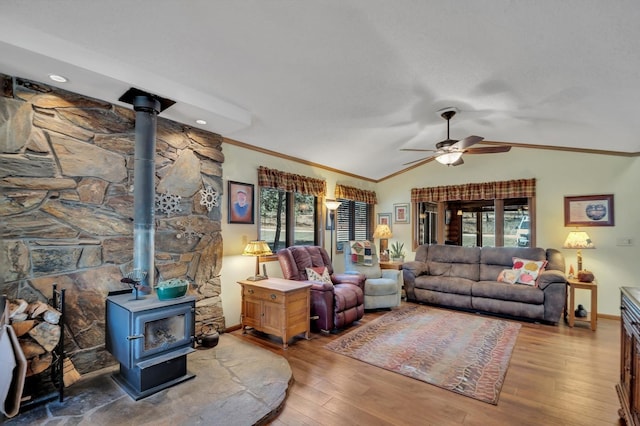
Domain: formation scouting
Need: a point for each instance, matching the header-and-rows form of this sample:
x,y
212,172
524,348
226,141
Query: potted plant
x,y
397,252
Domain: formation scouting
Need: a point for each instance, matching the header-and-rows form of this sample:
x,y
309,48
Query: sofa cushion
x,y
505,291
509,276
455,261
319,274
528,270
494,259
444,284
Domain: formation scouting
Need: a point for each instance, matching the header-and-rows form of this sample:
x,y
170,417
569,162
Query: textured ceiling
x,y
347,83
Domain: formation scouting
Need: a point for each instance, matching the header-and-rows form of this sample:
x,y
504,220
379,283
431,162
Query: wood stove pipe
x,y
147,107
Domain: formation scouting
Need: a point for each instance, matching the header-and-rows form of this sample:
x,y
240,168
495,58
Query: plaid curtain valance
x,y
519,188
356,194
291,182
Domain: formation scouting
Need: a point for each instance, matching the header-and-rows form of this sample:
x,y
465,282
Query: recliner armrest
x,y
349,278
549,277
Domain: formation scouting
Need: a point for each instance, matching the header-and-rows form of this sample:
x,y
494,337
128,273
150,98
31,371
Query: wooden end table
x,y
276,306
391,265
592,317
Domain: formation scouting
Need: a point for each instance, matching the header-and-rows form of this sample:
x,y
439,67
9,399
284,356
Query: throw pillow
x,y
509,276
361,253
319,277
528,269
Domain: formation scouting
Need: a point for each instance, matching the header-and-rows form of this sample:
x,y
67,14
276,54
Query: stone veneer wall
x,y
66,208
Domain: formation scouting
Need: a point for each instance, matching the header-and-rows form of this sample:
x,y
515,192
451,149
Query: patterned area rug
x,y
466,354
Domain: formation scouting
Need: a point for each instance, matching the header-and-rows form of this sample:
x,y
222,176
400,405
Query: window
x,y
478,214
353,222
287,218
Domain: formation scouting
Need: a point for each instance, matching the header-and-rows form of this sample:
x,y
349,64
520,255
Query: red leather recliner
x,y
335,306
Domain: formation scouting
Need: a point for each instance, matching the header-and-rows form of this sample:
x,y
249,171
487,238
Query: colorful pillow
x,y
528,269
319,274
361,253
509,276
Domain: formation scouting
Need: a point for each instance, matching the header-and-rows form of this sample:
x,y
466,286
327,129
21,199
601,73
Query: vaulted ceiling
x,y
348,83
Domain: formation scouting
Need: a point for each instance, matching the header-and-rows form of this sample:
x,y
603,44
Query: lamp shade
x,y
257,248
332,204
578,240
382,231
449,158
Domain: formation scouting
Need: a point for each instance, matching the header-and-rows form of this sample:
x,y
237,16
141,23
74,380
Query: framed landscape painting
x,y
589,210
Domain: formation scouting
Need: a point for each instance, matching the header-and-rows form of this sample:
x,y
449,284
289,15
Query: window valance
x,y
290,182
356,194
519,188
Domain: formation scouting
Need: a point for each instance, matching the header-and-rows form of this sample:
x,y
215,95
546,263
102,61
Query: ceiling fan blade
x,y
417,150
489,149
416,161
458,162
467,142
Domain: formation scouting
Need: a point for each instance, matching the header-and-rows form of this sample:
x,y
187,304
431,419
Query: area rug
x,y
463,353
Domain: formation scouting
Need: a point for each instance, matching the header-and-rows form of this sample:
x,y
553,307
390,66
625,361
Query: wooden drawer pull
x,y
250,291
273,296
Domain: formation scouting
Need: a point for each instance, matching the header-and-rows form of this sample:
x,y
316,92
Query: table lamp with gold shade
x,y
257,248
383,232
578,240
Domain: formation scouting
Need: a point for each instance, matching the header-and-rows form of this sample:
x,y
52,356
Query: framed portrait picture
x,y
240,202
401,213
589,210
384,219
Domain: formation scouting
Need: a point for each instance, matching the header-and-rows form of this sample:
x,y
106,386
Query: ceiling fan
x,y
449,151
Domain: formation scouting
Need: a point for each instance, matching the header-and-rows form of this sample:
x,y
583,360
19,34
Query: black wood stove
x,y
151,339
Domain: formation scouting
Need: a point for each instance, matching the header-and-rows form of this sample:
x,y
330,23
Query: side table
x,y
592,317
391,265
276,306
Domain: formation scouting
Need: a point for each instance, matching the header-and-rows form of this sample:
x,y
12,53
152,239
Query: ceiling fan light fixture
x,y
448,158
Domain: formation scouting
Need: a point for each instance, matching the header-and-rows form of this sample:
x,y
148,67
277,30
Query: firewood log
x,y
38,364
51,316
37,308
69,373
17,307
46,334
22,327
31,348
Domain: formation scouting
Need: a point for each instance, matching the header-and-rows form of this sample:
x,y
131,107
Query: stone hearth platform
x,y
236,383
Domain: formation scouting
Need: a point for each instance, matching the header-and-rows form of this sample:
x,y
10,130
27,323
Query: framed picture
x,y
240,202
589,210
384,219
401,213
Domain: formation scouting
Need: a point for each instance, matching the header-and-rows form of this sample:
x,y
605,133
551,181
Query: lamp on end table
x,y
578,240
257,248
383,232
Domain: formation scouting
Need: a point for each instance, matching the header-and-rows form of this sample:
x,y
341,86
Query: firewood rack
x,y
57,366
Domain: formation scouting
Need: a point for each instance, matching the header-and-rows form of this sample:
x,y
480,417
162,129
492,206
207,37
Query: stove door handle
x,y
136,336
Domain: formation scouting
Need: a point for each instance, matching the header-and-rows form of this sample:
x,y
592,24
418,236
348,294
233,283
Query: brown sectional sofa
x,y
466,278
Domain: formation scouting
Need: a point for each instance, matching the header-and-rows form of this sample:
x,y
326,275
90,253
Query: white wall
x,y
557,174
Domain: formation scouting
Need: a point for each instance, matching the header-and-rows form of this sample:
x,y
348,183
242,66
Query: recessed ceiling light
x,y
58,78
201,121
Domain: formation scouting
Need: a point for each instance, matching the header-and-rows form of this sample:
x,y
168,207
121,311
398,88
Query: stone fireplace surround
x,y
66,208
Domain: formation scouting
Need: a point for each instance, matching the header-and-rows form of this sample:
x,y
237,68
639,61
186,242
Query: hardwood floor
x,y
557,376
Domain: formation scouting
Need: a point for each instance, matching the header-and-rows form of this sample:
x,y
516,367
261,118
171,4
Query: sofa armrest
x,y
549,277
411,270
416,267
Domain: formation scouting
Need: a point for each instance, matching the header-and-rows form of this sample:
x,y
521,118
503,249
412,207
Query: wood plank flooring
x,y
557,376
